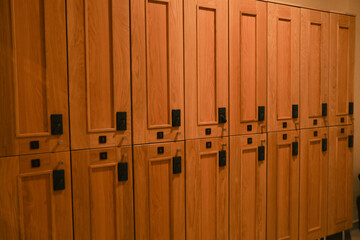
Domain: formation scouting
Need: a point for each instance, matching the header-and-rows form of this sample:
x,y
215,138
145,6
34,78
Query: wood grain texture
x,y
340,194
283,66
247,188
207,200
314,165
314,74
247,65
34,76
157,69
159,193
206,67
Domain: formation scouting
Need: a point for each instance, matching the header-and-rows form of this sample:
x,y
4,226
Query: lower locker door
x,y
207,170
159,171
35,202
248,187
283,186
103,194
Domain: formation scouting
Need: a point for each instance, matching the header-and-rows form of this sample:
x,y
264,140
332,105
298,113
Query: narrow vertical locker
x,y
99,73
283,67
342,55
103,193
340,194
207,202
314,164
283,185
248,187
35,199
157,70
206,68
314,68
33,86
247,66
159,173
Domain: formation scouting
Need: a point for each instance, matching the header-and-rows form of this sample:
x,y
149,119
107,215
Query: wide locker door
x,y
33,86
35,202
283,186
247,66
159,173
283,67
103,194
99,73
342,55
340,194
314,69
157,70
248,187
207,204
314,164
206,68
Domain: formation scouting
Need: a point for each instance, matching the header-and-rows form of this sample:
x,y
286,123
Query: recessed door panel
x,y
283,67
206,64
157,70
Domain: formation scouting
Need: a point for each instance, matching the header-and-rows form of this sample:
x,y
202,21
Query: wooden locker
x,y
207,202
35,199
283,67
340,194
283,185
248,187
33,86
159,171
247,66
103,193
314,66
157,70
314,164
206,68
342,57
99,73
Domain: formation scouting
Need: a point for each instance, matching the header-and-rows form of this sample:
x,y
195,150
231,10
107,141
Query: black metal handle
x,y
59,179
122,171
261,153
222,115
176,117
222,158
295,148
176,165
121,121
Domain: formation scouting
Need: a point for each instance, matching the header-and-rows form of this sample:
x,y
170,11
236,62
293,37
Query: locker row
x,y
183,69
281,185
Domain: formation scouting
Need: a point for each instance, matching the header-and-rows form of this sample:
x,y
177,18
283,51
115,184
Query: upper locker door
x,y
159,173
33,86
99,73
314,164
207,177
314,74
247,66
248,187
157,70
206,67
342,45
283,186
340,194
283,67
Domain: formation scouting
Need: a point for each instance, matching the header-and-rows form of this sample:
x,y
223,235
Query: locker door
x,y
207,173
342,44
159,191
283,185
206,67
157,70
340,179
248,187
103,194
33,86
314,74
247,66
283,67
36,197
99,73
314,164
